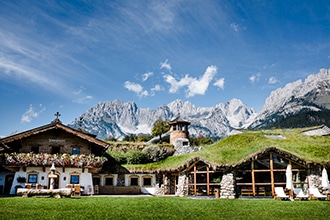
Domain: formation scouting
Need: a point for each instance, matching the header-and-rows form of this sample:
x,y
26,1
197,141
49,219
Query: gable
x,y
262,158
54,138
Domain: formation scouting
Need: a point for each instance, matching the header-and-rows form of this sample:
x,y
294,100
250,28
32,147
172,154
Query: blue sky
x,y
67,56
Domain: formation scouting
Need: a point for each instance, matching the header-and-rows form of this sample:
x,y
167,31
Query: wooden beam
x,y
253,179
271,172
208,180
164,183
195,179
210,171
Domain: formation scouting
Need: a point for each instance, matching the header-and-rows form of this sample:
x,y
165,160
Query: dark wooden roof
x,y
177,120
53,126
3,147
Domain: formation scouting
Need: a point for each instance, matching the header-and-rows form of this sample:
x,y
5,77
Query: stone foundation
x,y
227,189
159,190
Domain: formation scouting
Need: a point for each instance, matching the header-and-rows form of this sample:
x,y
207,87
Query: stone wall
x,y
180,148
182,187
159,190
174,135
227,190
315,180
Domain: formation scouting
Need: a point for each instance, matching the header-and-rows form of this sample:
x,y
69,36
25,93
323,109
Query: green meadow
x,y
148,207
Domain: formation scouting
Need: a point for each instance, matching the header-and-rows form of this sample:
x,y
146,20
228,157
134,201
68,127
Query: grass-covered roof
x,y
237,148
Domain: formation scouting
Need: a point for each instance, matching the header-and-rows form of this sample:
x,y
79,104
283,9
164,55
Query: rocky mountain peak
x,y
117,118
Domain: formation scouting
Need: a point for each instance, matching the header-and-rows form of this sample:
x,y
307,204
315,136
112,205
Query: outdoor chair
x,y
299,194
96,189
315,194
76,191
280,194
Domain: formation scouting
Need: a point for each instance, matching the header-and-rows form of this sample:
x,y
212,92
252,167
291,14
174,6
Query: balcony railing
x,y
44,159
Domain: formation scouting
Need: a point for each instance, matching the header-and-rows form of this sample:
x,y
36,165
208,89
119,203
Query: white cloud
x,y
136,88
272,80
83,100
156,88
195,86
166,65
176,85
255,78
145,76
234,26
79,90
220,83
31,113
199,87
14,70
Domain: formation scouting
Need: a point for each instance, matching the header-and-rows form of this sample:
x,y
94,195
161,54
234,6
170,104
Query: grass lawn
x,y
159,208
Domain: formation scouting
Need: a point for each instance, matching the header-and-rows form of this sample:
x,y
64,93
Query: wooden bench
x,y
246,192
249,192
261,191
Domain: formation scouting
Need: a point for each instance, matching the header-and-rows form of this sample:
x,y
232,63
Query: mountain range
x,y
118,119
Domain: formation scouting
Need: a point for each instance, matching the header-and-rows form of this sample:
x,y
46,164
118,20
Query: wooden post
x,y
291,190
164,183
208,180
253,180
272,173
195,179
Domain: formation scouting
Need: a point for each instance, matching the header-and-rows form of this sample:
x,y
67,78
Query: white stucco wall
x,y
104,176
85,178
144,189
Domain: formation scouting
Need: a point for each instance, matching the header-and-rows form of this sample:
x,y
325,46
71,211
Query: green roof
x,y
237,148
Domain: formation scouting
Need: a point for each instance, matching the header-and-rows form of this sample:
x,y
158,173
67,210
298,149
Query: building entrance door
x,y
8,183
56,182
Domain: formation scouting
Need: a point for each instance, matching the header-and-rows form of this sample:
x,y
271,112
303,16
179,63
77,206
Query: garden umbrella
x,y
288,173
325,180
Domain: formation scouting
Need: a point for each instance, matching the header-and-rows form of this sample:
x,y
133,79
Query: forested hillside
x,y
305,119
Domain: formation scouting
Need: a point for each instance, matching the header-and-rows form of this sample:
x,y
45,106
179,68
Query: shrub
x,y
118,156
135,157
155,153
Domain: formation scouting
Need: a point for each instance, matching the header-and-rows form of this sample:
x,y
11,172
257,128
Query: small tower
x,y
179,131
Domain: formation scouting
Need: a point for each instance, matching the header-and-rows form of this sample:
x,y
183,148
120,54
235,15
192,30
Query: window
x,y
35,150
76,150
96,181
32,178
74,179
109,181
56,150
134,181
147,181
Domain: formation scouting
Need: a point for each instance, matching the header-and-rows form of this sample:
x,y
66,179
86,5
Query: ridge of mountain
x,y
118,119
313,94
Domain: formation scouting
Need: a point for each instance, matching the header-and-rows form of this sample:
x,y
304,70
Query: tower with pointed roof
x,y
179,131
